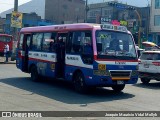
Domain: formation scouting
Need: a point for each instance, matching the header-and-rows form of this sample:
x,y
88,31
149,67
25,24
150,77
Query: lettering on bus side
x,y
120,63
36,54
43,55
30,54
72,58
53,56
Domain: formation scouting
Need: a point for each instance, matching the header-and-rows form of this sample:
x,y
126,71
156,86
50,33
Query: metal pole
x,y
148,21
139,32
16,10
15,30
16,5
148,17
86,11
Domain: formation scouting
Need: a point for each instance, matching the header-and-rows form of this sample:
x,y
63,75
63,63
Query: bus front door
x,y
60,53
26,46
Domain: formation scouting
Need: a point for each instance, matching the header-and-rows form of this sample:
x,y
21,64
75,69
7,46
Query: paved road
x,y
19,93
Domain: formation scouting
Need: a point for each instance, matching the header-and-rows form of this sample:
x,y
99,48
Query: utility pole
x,y
15,10
14,33
148,17
16,5
140,25
86,10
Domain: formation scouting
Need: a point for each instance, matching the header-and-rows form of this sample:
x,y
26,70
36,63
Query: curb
x,y
2,61
10,62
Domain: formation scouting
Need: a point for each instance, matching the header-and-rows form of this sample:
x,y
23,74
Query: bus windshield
x,y
115,45
5,39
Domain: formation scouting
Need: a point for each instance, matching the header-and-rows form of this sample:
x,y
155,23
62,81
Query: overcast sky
x,y
7,4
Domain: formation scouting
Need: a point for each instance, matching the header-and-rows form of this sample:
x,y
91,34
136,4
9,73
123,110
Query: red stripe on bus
x,y
39,60
112,60
156,63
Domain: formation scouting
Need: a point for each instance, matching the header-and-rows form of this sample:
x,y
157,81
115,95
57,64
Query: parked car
x,y
149,66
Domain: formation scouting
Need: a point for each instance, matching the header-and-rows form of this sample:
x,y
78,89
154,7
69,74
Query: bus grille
x,y
120,73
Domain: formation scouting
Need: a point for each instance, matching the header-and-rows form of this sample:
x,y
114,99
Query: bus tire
x,y
145,80
34,74
118,88
79,82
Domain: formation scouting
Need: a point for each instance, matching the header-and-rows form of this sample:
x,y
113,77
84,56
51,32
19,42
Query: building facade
x,y
155,21
65,11
37,6
2,22
28,20
134,18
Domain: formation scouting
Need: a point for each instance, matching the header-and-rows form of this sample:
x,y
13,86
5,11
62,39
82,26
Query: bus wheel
x,y
79,83
118,88
145,80
34,74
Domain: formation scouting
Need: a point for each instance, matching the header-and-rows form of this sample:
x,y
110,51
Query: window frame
x,y
32,49
48,38
71,41
155,23
157,4
21,40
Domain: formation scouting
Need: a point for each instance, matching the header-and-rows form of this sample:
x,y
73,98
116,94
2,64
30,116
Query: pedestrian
x,y
6,52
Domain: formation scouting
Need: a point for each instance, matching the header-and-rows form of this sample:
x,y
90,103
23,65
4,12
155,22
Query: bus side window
x,y
76,43
69,43
87,44
20,44
87,47
29,41
47,40
80,43
36,41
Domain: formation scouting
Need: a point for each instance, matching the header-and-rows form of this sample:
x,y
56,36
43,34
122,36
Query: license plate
x,y
101,67
146,65
119,82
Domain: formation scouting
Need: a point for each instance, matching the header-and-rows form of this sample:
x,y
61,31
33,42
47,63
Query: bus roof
x,y
63,27
66,27
6,35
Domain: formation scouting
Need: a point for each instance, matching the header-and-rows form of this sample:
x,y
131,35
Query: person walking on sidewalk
x,y
6,52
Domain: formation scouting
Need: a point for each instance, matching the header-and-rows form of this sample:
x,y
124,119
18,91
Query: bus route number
x,y
101,67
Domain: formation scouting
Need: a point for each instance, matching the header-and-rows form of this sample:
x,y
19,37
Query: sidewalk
x,y
2,61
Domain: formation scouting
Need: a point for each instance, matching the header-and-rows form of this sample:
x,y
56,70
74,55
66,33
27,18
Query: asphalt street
x,y
19,93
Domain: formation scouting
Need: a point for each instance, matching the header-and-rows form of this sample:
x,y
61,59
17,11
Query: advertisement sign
x,y
131,22
124,23
105,20
115,22
16,19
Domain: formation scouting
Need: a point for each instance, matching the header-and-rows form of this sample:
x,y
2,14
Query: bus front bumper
x,y
109,81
